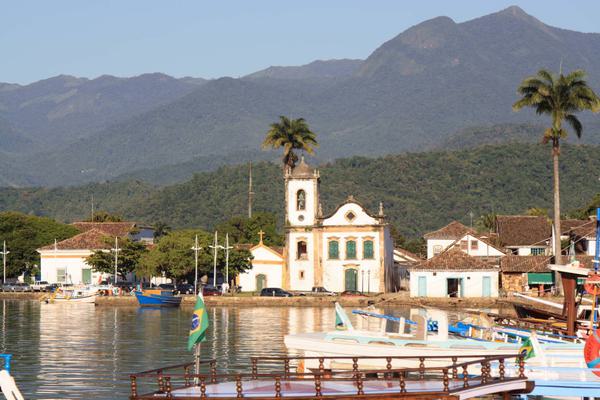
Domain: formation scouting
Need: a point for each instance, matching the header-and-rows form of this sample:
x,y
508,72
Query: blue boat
x,y
157,298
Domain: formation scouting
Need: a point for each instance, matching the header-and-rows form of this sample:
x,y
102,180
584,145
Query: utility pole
x,y
4,253
215,246
116,250
92,220
196,249
250,191
227,248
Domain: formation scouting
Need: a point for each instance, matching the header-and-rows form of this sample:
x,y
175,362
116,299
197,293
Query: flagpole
x,y
197,360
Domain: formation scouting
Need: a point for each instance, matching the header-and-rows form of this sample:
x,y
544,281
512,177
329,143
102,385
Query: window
x,y
334,250
437,249
464,244
474,245
300,200
538,251
60,275
350,216
301,274
368,249
302,253
351,250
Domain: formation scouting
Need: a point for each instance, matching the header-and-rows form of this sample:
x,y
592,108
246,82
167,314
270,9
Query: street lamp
x,y
116,250
215,247
227,248
196,249
4,253
369,281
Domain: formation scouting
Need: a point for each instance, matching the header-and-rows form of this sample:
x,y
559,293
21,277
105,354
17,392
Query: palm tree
x,y
560,97
291,134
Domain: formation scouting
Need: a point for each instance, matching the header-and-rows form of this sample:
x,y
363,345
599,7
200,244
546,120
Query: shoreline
x,y
298,301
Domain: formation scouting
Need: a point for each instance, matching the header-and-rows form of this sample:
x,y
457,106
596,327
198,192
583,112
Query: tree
x,y
560,96
290,134
161,229
174,257
104,216
128,258
243,230
24,234
538,212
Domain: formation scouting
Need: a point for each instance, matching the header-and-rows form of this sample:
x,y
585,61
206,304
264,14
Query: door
x,y
487,286
350,279
86,276
453,287
261,282
422,286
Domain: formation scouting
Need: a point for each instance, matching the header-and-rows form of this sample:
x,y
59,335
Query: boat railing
x,y
463,372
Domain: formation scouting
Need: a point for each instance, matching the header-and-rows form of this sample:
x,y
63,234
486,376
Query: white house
x,y
267,268
440,240
64,261
524,235
350,249
453,273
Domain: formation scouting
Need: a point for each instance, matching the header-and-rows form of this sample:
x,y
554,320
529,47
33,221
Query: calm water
x,y
71,351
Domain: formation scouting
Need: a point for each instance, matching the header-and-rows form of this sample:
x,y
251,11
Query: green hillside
x,y
420,191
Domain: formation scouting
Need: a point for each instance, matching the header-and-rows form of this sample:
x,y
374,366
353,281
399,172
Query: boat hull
x,y
156,300
87,299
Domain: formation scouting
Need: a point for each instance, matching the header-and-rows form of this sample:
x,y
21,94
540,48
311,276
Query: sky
x,y
210,39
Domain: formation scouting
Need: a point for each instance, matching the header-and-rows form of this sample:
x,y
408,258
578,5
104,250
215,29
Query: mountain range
x,y
434,85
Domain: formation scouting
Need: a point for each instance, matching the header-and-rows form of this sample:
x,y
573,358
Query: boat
x,y
72,295
8,386
157,298
347,378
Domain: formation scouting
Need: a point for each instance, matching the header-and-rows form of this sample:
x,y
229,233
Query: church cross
x,y
261,233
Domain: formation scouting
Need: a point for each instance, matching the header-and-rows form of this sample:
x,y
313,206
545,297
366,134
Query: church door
x,y
350,279
261,282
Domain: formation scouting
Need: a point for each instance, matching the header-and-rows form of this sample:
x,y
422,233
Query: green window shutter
x,y
334,250
351,250
368,249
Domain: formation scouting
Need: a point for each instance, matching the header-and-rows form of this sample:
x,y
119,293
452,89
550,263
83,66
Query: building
x,y
453,273
403,260
583,236
526,274
524,235
440,240
267,268
349,249
64,261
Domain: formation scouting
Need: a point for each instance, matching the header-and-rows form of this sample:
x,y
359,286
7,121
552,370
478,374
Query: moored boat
x,y
157,298
72,295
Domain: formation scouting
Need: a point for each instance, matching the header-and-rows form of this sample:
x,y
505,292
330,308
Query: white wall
x,y
432,243
73,261
265,262
311,201
436,285
339,218
591,247
297,266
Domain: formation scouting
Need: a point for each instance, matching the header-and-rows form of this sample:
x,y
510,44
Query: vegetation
x,y
26,233
128,257
246,230
290,134
103,216
561,97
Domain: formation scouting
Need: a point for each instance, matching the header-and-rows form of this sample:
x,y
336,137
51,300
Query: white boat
x,y
72,295
554,364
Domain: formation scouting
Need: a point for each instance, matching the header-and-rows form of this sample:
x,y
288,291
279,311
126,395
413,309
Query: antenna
x,y
250,192
92,207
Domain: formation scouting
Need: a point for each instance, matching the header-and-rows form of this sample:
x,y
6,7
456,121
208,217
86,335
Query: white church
x,y
351,249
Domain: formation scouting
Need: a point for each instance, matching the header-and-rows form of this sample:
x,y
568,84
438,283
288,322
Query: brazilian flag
x,y
199,324
527,350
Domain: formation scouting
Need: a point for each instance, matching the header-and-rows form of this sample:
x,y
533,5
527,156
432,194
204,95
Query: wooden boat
x,y
157,298
460,380
72,296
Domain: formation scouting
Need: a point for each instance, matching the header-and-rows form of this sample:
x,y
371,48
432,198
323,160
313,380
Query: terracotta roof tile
x,y
512,263
112,229
454,230
586,229
456,260
92,239
523,230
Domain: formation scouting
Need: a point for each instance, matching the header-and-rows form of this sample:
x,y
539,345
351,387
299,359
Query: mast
x,y
250,192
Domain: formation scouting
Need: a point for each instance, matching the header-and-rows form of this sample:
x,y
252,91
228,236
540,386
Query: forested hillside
x,y
420,191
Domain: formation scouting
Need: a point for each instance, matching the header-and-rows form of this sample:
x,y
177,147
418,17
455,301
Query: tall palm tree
x,y
560,96
291,134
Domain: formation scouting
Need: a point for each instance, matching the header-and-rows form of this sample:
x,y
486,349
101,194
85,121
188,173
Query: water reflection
x,y
71,351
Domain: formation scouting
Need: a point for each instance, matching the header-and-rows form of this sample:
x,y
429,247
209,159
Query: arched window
x,y
334,250
302,252
351,250
300,200
368,249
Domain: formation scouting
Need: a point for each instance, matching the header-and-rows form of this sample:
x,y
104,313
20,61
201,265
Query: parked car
x,y
40,286
51,287
22,287
316,291
185,288
352,293
209,290
275,292
8,287
168,286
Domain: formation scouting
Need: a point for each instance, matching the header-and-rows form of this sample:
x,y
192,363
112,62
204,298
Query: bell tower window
x,y
302,252
301,200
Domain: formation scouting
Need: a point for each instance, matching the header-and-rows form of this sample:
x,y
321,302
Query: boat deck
x,y
458,380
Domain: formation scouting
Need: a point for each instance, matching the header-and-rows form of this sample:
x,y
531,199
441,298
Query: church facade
x,y
350,249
